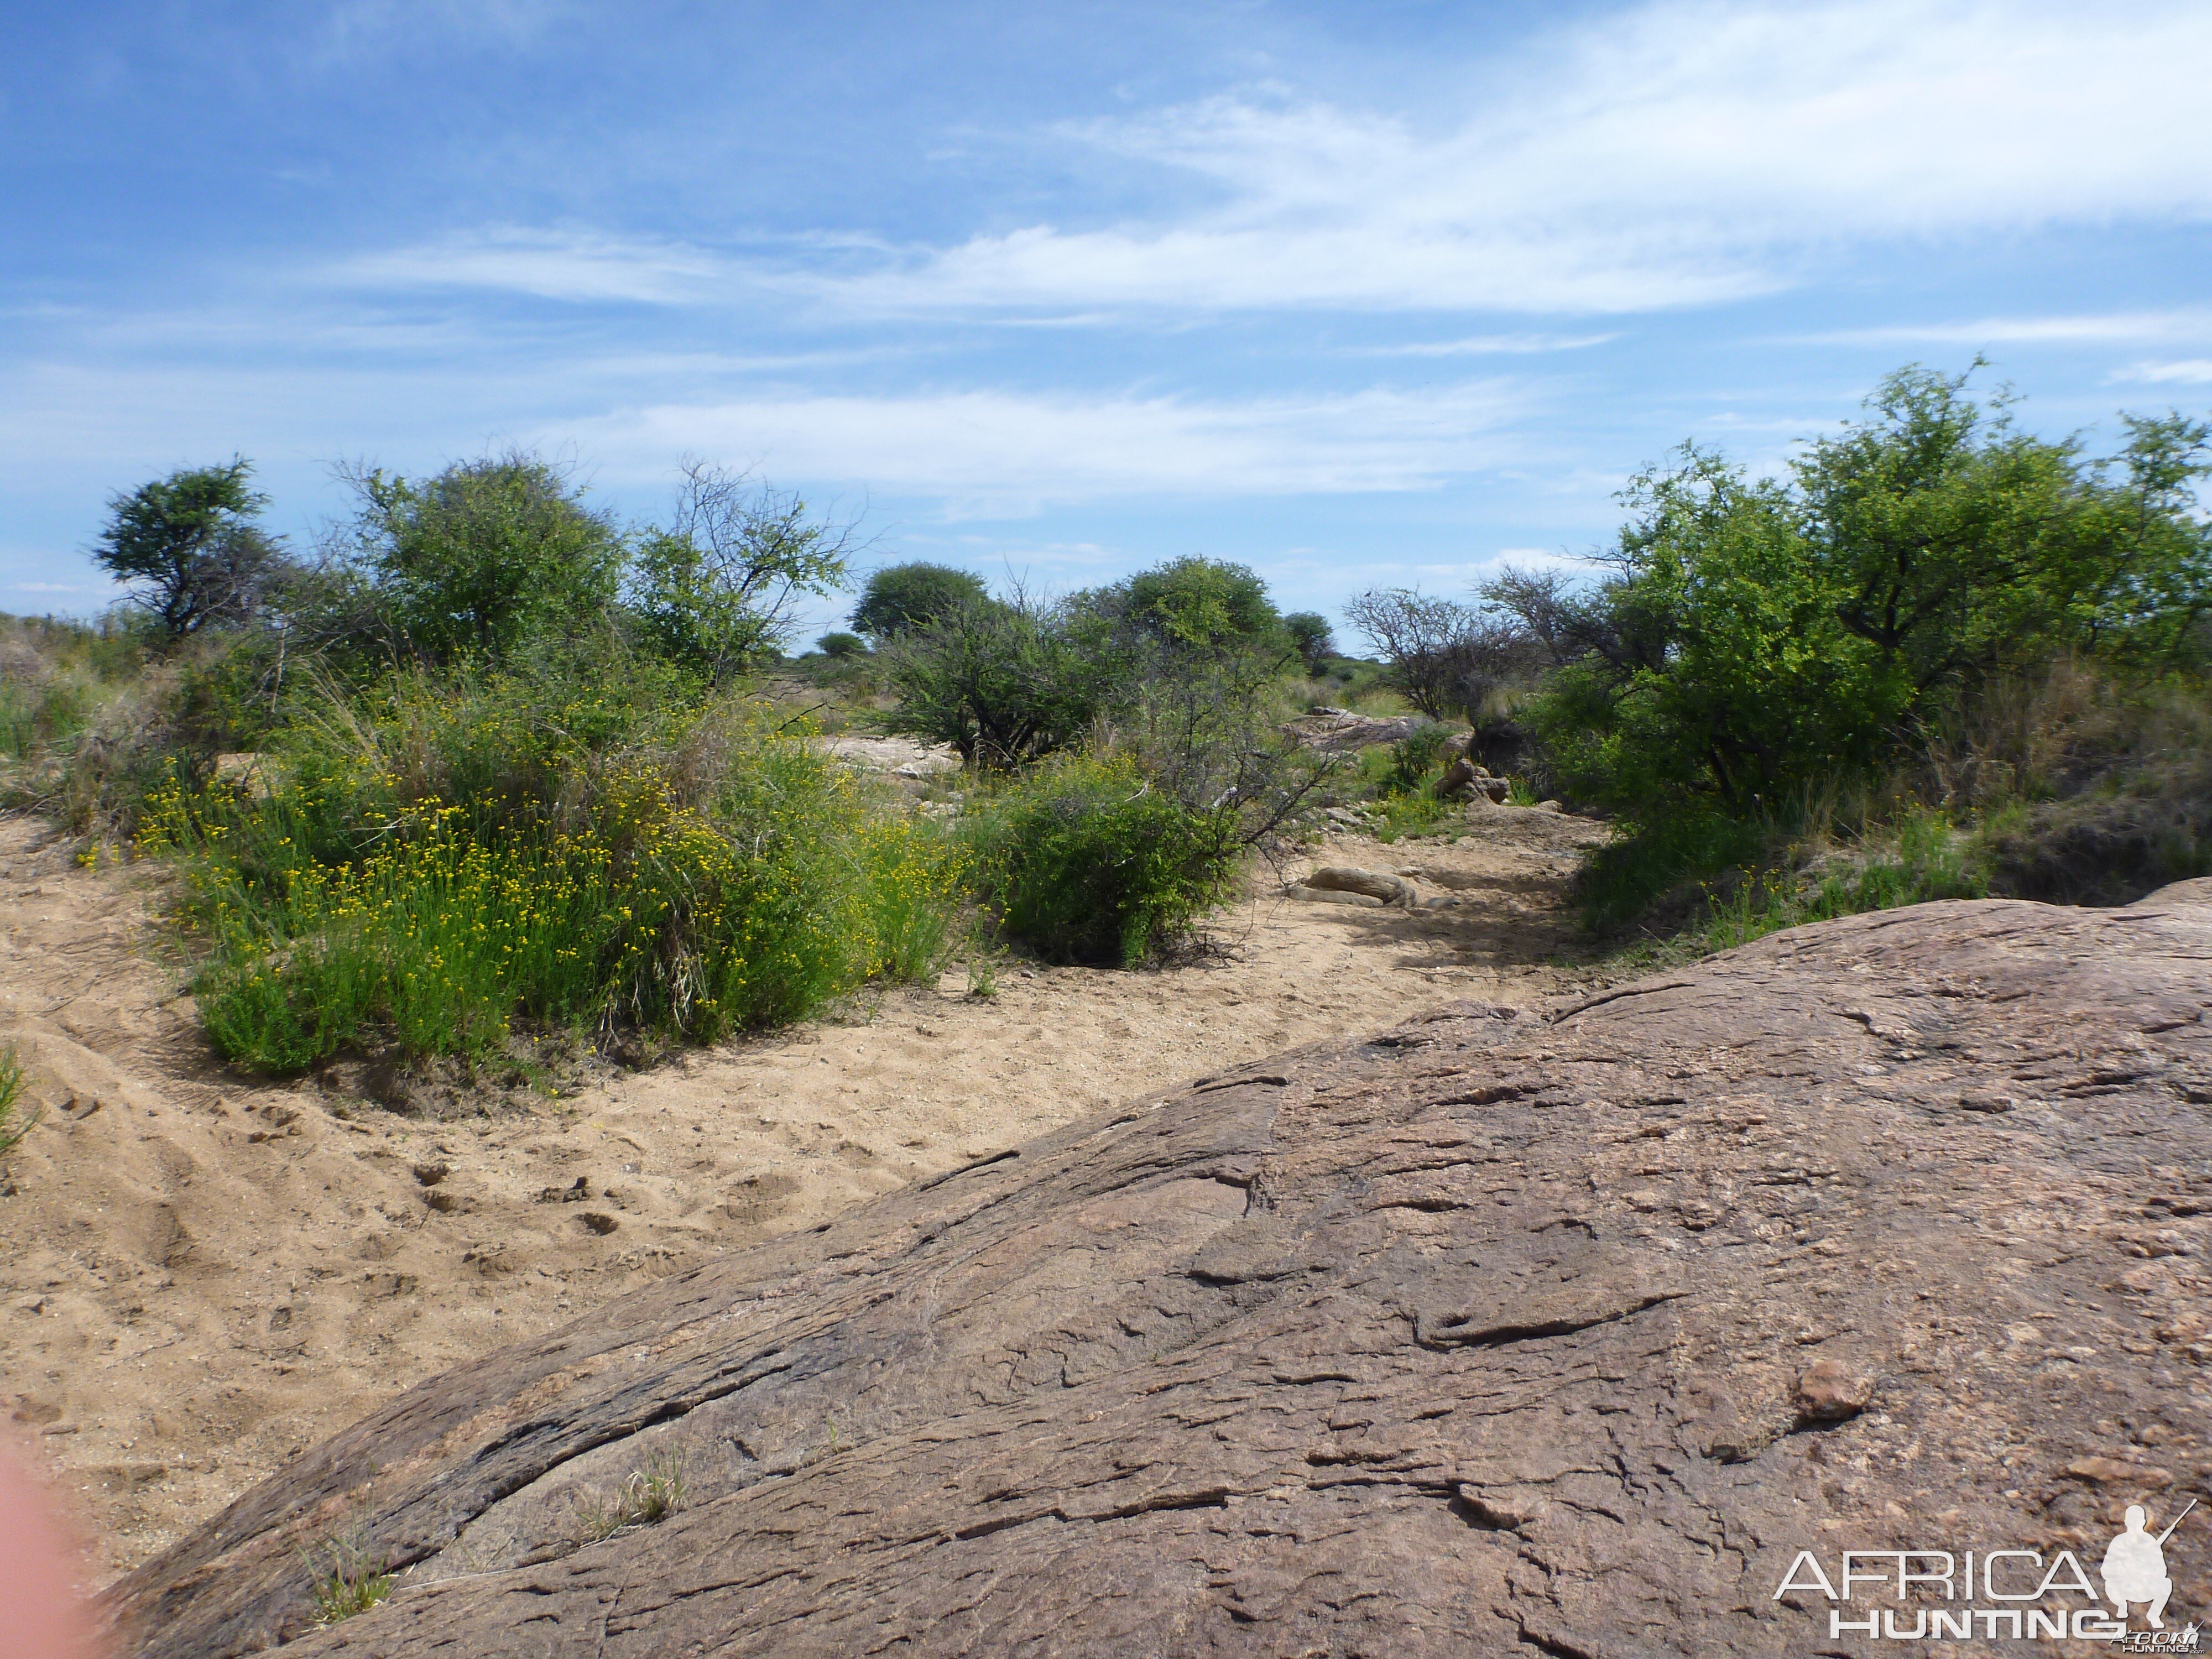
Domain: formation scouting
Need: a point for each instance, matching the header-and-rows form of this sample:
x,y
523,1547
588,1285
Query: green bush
x,y
1086,860
1002,683
579,860
483,558
1416,759
1759,637
1666,864
1929,861
1313,639
1867,622
717,591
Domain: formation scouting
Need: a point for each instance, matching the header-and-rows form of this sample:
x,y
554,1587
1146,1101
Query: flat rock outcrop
x,y
1499,1332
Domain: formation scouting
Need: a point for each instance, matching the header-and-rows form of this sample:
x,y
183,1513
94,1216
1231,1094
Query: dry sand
x,y
202,1275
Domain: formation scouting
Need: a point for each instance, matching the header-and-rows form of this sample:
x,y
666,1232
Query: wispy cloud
x,y
1683,152
990,453
576,265
1482,345
2110,328
2189,371
1680,153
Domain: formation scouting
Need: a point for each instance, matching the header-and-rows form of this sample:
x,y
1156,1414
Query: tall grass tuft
x,y
12,1128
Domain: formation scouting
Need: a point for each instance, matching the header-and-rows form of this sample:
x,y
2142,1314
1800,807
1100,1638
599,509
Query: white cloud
x,y
1679,153
1683,152
2190,371
991,453
2110,328
1487,345
573,265
52,588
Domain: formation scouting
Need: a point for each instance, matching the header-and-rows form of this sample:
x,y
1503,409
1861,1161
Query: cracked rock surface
x,y
1505,1331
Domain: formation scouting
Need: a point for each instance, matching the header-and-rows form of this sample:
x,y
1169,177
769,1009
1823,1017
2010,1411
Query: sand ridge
x,y
203,1274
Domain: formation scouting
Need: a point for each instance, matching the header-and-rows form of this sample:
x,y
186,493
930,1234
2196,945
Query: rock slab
x,y
1497,1333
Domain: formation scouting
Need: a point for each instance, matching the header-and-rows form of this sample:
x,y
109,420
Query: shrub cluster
x,y
461,851
1085,859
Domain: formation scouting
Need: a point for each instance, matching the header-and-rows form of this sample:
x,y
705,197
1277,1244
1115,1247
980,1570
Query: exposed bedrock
x,y
1496,1333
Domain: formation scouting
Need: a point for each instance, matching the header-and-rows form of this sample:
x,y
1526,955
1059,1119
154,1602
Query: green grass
x,y
13,1128
35,719
345,1582
1929,862
1401,780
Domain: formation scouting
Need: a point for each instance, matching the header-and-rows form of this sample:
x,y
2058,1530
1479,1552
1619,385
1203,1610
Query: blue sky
x,y
1362,295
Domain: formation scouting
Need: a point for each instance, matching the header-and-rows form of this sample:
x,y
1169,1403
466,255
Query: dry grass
x,y
650,1494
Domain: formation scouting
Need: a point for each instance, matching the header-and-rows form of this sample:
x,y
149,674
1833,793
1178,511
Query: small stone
x,y
2111,1472
431,1174
1829,1391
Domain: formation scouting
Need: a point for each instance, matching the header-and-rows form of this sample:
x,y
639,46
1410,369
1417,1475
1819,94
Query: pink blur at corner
x,y
40,1570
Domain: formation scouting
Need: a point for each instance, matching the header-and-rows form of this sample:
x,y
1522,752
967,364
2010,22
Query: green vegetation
x,y
508,775
1868,629
1314,640
12,1128
900,598
501,766
346,1581
461,851
1086,859
191,548
717,589
648,1495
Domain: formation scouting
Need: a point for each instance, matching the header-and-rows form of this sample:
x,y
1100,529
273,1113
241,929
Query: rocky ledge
x,y
1498,1333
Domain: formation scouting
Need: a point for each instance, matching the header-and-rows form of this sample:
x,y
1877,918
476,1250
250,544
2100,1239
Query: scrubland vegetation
x,y
1940,657
491,767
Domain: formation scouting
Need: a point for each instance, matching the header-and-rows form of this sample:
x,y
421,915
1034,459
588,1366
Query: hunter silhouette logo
x,y
2135,1567
2001,1594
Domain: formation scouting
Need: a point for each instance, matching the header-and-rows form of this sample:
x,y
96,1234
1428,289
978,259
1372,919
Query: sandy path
x,y
202,1276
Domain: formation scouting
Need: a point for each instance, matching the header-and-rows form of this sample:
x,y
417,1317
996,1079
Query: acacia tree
x,y
1310,633
482,557
719,588
1445,658
190,549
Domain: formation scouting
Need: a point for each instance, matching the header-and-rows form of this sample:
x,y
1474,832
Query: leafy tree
x,y
1314,639
902,597
842,645
1757,636
719,588
1962,546
1002,682
1206,603
190,549
480,558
